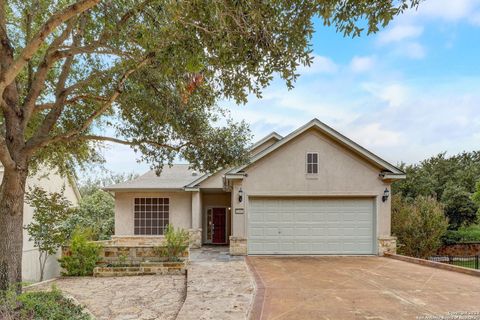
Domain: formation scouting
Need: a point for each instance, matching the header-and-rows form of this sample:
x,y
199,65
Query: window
x,y
151,215
312,162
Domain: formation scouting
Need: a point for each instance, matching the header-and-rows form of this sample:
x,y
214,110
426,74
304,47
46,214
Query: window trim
x,y
313,163
168,212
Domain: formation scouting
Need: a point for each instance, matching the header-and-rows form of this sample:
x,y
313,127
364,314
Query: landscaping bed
x,y
41,305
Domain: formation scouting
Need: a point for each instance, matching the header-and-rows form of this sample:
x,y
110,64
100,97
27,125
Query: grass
x,y
465,264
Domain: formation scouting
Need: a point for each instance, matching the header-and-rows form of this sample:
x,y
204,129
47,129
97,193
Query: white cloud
x,y
320,64
399,33
362,63
449,10
413,50
393,94
375,135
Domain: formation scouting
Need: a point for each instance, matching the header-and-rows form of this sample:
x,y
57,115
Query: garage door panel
x,y
310,226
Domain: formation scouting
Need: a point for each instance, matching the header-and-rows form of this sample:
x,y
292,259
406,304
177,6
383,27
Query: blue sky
x,y
406,93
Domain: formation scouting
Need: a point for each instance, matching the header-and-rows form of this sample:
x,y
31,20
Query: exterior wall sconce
x,y
386,194
240,195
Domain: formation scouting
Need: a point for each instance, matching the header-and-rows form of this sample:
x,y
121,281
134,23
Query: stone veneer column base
x,y
195,238
238,246
387,244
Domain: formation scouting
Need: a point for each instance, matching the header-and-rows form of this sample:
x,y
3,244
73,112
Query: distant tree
x,y
419,225
460,209
450,180
476,196
47,229
431,176
92,184
95,210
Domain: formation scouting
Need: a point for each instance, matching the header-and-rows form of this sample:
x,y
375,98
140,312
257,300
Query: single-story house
x,y
313,191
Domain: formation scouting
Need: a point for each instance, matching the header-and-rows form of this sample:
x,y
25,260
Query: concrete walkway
x,y
125,298
219,286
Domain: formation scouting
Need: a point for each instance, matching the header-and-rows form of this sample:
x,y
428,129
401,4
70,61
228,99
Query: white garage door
x,y
310,226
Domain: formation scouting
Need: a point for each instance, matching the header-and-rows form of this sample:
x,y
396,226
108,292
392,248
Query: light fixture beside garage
x,y
240,195
386,193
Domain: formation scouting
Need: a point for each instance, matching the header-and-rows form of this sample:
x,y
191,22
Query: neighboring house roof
x,y
272,135
172,177
394,172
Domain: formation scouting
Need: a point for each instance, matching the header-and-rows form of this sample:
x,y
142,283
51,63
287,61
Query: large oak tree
x,y
144,73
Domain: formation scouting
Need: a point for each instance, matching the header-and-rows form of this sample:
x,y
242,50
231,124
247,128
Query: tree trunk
x,y
12,192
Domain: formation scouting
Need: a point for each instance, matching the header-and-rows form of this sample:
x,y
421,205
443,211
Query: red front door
x,y
219,223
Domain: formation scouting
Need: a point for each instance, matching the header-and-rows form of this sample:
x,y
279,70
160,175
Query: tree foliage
x,y
419,225
47,229
450,180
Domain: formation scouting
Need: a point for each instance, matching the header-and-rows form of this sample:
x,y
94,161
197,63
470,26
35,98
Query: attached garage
x,y
311,226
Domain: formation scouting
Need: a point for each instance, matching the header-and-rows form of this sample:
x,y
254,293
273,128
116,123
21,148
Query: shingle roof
x,y
175,177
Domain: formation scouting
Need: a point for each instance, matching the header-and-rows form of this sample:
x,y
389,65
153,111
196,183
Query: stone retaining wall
x,y
110,254
460,249
145,268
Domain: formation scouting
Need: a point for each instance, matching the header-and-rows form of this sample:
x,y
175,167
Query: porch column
x,y
196,231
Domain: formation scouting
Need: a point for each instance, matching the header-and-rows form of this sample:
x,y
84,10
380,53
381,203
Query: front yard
x,y
135,297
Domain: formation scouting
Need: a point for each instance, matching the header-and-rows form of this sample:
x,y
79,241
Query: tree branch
x,y
132,143
9,75
41,138
39,80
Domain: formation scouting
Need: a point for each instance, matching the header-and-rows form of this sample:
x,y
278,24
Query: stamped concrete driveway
x,y
358,288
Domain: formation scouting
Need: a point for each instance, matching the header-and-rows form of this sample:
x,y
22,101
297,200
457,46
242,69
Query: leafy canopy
x,y
450,180
150,74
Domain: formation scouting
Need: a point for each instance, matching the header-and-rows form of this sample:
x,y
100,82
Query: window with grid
x,y
312,162
151,215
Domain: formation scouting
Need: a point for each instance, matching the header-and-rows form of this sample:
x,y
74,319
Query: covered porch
x,y
211,217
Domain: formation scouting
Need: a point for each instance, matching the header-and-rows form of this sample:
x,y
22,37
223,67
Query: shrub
x,y
419,225
83,257
175,243
463,234
39,305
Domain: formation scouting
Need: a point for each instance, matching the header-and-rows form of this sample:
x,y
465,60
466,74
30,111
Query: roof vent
x,y
194,173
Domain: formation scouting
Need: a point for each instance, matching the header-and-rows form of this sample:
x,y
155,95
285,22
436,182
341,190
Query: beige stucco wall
x,y
50,182
283,173
215,181
180,209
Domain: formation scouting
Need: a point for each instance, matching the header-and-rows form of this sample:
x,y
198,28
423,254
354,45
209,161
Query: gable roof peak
x,y
335,135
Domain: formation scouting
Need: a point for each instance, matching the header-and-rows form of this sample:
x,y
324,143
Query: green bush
x,y
175,243
463,234
83,257
39,305
419,225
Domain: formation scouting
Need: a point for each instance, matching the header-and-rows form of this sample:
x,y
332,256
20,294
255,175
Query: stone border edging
x,y
256,307
434,264
39,283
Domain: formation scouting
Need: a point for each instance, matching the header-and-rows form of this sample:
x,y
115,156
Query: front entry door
x,y
219,219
